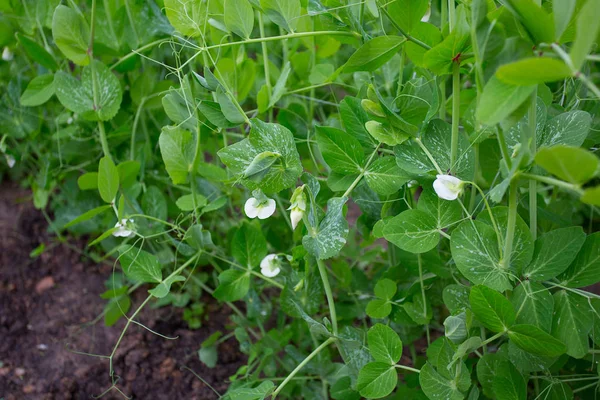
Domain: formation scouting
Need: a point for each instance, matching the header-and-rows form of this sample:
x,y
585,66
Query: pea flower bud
x,y
298,206
270,266
448,187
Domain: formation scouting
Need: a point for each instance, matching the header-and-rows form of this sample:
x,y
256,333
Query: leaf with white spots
x,y
436,139
265,137
412,230
474,247
327,239
385,177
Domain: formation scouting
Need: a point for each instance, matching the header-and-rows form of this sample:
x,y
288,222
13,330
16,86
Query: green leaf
x,y
342,152
38,91
177,149
562,11
535,341
115,309
231,112
508,383
354,118
572,164
572,322
71,35
163,288
474,247
534,305
455,328
265,137
587,27
154,203
440,58
190,202
378,308
500,99
140,265
554,252
533,71
384,344
376,380
385,289
437,140
284,13
212,111
247,393
385,177
37,52
88,181
536,21
373,54
522,248
279,88
445,212
408,13
239,17
108,180
570,128
88,215
585,269
412,230
248,245
327,239
233,285
435,386
187,16
78,95
492,309
181,108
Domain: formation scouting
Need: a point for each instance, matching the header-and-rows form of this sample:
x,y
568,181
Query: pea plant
x,y
390,196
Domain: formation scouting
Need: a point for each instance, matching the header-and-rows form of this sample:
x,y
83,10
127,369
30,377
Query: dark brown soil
x,y
47,303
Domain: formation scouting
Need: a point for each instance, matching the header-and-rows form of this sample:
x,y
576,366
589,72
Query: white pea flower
x,y
448,187
270,266
298,206
7,55
125,228
10,160
257,208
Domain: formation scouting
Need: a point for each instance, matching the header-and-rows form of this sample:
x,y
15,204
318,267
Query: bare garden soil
x,y
47,304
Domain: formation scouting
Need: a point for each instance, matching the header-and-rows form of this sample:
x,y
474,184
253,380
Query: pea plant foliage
x,y
392,198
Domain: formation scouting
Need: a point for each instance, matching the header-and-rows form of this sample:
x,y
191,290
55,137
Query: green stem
x,y
553,181
104,140
512,221
451,14
455,113
504,148
492,338
301,365
329,295
424,297
532,183
137,311
418,371
135,52
362,173
429,155
581,389
403,33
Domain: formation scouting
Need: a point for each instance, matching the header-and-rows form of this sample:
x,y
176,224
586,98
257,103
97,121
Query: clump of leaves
x,y
390,197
